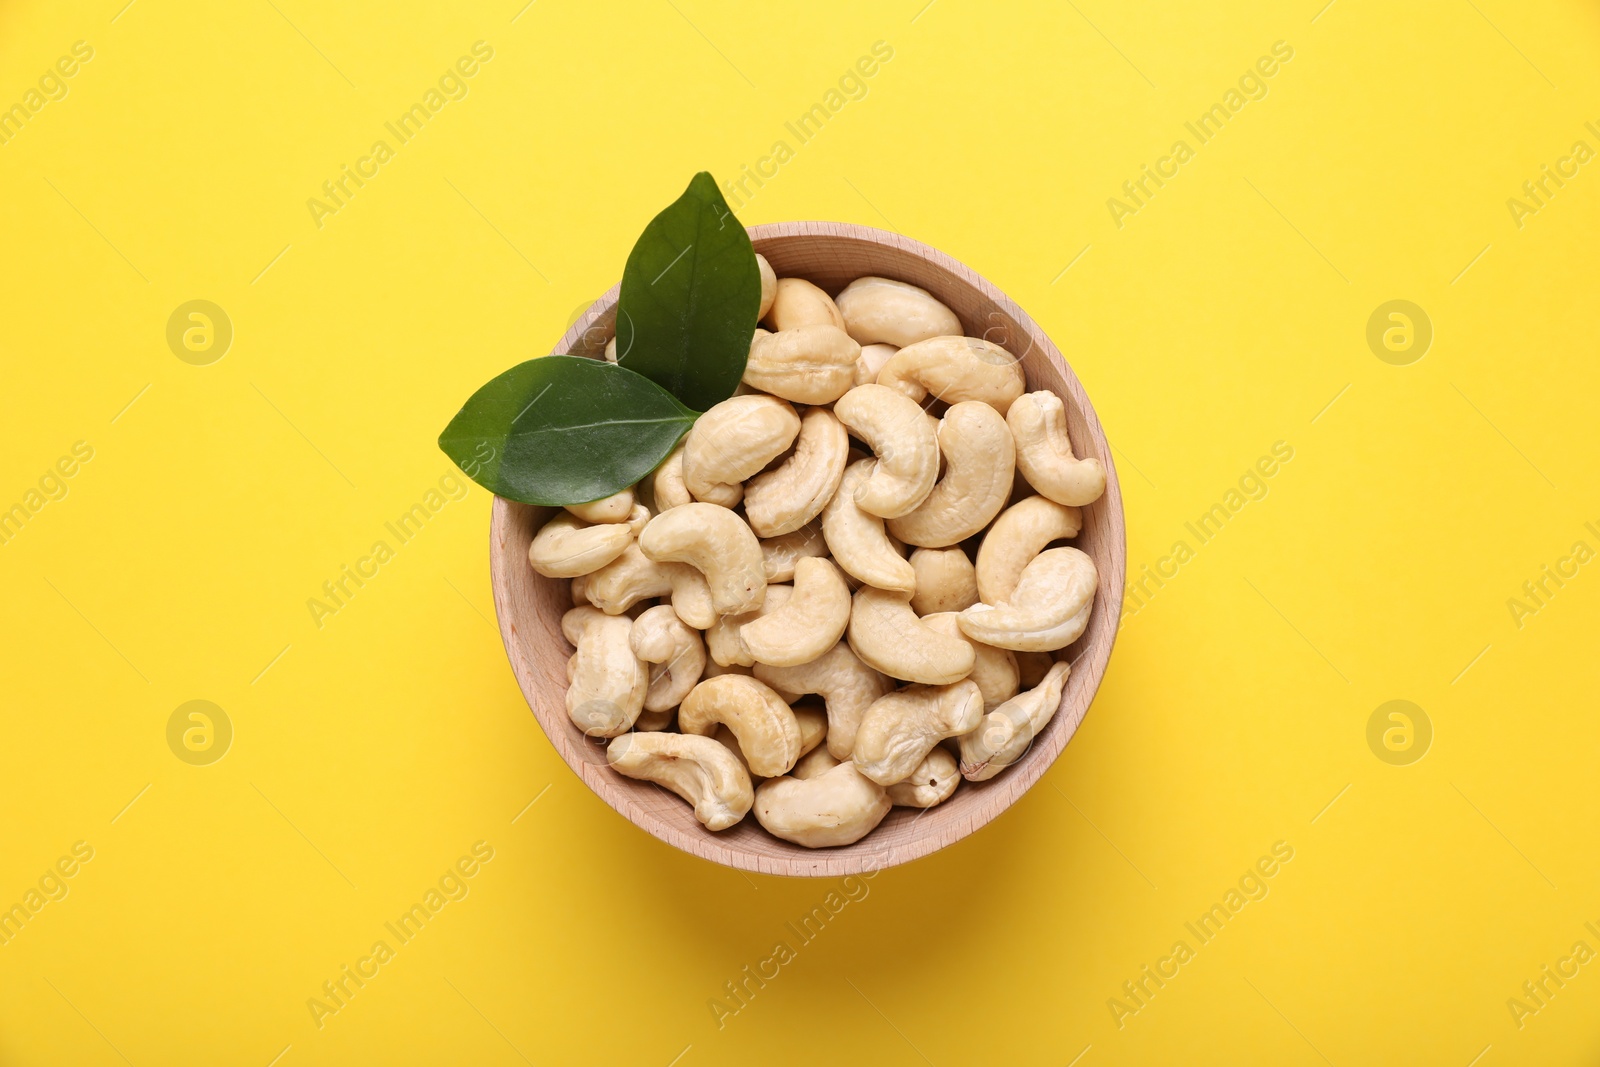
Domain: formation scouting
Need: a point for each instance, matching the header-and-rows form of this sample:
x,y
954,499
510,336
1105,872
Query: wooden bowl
x,y
530,606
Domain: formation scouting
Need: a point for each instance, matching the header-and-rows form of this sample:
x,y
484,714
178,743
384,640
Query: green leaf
x,y
690,294
564,430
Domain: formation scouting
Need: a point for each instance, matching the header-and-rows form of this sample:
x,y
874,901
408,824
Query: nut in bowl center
x,y
863,605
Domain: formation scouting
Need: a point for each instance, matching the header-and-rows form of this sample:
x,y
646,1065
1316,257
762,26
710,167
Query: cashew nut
x,y
1005,734
614,508
780,554
946,580
817,761
900,729
887,635
716,670
676,652
715,542
813,364
902,436
837,807
979,461
993,669
813,722
796,302
766,728
654,721
786,498
769,285
1049,609
810,622
1032,667
633,577
696,768
878,309
1038,423
666,484
932,783
813,728
871,361
955,369
734,440
606,681
724,637
858,541
566,546
847,685
1018,535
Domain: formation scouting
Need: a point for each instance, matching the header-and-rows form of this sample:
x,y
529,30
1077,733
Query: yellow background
x,y
1225,315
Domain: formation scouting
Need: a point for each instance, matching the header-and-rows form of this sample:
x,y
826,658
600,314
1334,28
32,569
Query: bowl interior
x,y
530,606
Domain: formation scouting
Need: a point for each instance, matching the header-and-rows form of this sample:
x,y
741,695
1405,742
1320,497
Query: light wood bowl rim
x,y
1000,792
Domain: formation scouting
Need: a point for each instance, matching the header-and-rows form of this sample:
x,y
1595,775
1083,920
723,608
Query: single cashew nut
x,y
666,484
1033,666
901,435
809,623
1006,733
780,554
633,577
813,722
817,761
724,637
946,580
846,685
784,499
900,729
614,508
813,728
606,681
858,541
676,653
733,441
566,546
979,460
696,768
887,635
655,721
1049,609
836,807
993,669
769,285
813,364
716,670
1038,423
766,728
1017,536
932,783
718,544
871,361
796,302
955,369
878,309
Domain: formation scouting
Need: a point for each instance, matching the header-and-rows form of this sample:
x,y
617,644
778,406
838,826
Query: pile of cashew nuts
x,y
765,560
